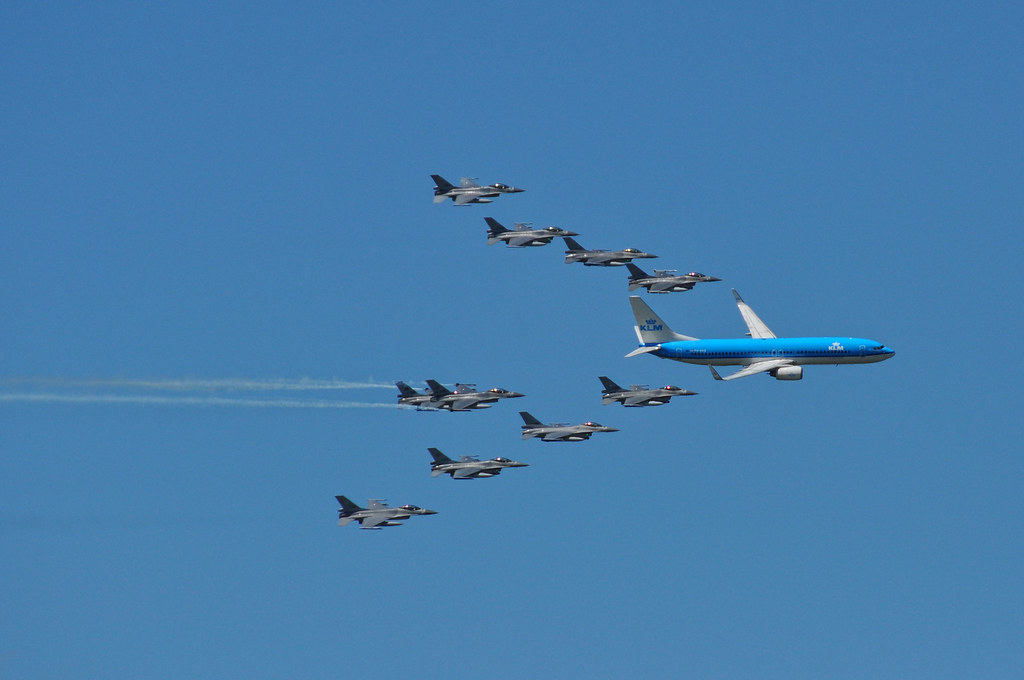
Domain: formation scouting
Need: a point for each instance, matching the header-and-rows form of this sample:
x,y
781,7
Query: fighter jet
x,y
521,236
468,467
465,397
560,432
376,516
600,258
468,191
407,396
664,280
638,395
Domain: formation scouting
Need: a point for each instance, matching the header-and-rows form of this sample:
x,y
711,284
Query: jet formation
x,y
665,280
469,191
437,397
377,515
638,395
600,258
468,467
521,236
560,432
762,352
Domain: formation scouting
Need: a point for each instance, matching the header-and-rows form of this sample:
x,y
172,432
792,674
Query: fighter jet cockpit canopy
x,y
631,250
591,423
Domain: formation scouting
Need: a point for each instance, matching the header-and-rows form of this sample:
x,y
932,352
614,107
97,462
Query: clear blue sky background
x,y
242,192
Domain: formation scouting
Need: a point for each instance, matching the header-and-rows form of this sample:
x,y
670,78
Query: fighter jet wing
x,y
464,404
635,401
753,369
463,473
524,240
758,328
463,199
376,520
670,285
467,182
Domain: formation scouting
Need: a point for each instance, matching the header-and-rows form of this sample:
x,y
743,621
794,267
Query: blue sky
x,y
242,193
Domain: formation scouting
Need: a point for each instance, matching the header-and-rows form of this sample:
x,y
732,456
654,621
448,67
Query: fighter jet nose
x,y
513,395
714,278
430,512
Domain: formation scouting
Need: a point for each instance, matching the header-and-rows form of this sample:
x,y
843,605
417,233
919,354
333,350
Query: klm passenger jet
x,y
762,352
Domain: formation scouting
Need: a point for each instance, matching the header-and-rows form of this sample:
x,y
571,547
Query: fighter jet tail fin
x,y
347,505
437,389
443,185
529,420
494,230
635,272
438,456
571,243
609,384
404,390
650,329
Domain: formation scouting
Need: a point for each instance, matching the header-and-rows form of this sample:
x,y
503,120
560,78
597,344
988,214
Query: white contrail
x,y
54,398
251,384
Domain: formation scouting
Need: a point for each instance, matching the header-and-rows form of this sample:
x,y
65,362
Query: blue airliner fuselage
x,y
745,351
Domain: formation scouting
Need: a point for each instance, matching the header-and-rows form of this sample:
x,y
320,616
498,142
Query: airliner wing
x,y
758,328
753,369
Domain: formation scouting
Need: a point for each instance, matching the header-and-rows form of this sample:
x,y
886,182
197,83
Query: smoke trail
x,y
237,384
142,400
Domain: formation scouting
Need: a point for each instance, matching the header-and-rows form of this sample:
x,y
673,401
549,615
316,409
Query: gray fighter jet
x,y
560,432
407,396
521,236
638,395
376,516
468,191
664,280
468,467
465,397
600,258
